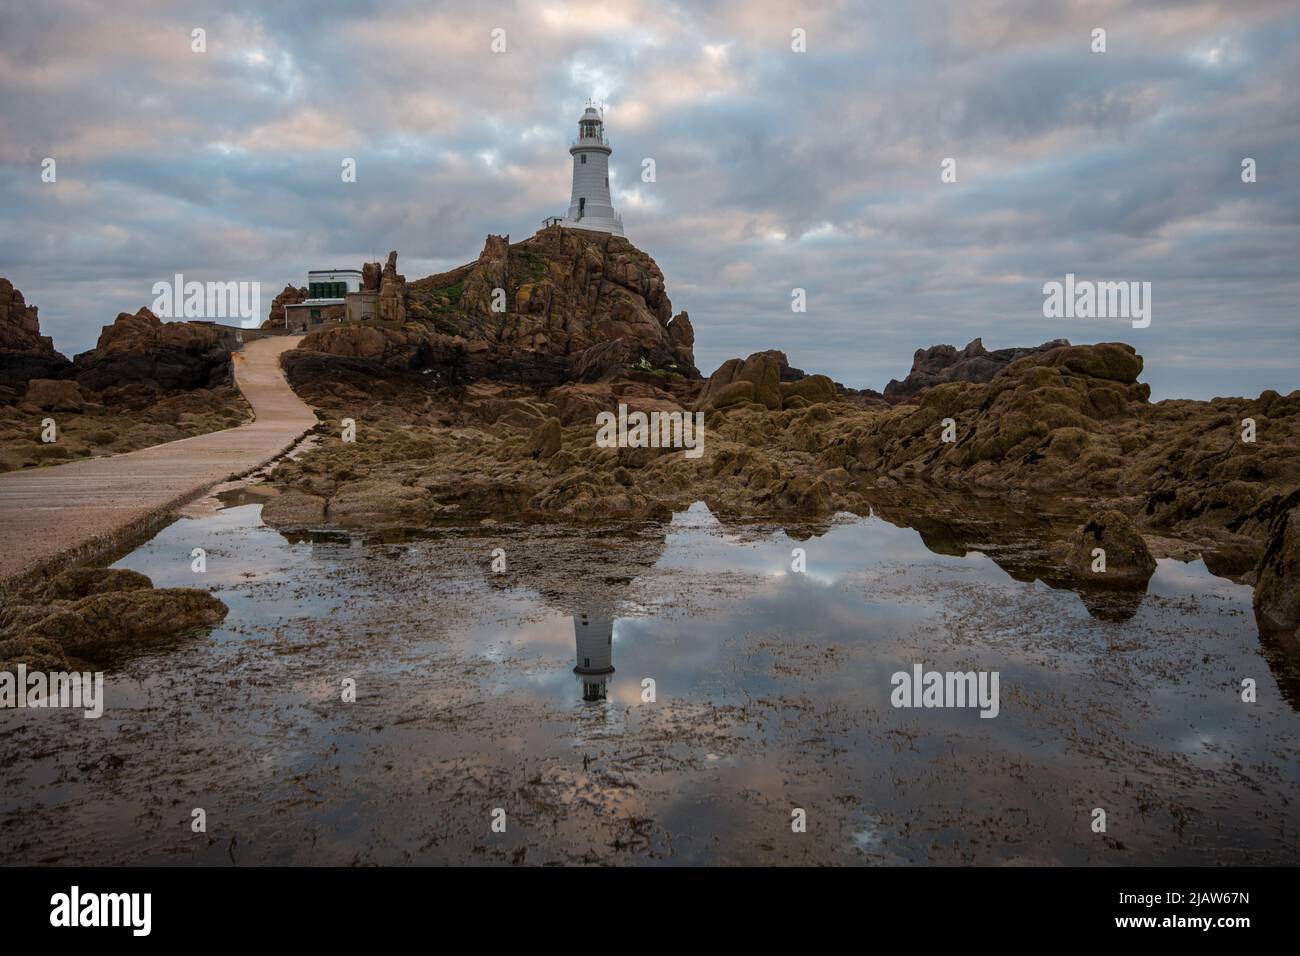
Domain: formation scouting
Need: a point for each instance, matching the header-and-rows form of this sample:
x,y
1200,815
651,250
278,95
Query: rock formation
x,y
943,363
765,380
562,292
392,293
140,354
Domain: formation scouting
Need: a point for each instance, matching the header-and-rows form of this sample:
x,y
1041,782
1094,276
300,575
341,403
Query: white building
x,y
590,206
327,290
593,635
329,286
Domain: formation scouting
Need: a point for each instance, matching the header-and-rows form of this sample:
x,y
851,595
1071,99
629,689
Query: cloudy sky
x,y
775,169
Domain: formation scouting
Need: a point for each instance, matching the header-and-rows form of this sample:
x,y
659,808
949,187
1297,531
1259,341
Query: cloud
x,y
774,169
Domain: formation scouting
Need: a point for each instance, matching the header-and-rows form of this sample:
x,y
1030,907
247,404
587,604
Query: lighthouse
x,y
593,638
589,204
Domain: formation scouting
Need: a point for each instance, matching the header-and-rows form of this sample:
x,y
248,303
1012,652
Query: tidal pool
x,y
525,690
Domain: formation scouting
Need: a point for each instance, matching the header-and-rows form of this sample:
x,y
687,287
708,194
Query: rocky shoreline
x,y
476,397
145,383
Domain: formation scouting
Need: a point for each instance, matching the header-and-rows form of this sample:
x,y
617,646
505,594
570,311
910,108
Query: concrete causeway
x,y
54,515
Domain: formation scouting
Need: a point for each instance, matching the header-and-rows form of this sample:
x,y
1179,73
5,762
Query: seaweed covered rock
x,y
35,653
76,583
544,440
114,620
814,390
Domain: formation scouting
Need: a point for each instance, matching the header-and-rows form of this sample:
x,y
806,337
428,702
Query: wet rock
x,y
1277,585
104,623
1128,561
380,503
294,509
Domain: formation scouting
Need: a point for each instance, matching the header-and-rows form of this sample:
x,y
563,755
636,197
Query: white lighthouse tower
x,y
590,206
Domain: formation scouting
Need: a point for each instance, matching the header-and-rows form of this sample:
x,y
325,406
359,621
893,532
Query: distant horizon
x,y
775,170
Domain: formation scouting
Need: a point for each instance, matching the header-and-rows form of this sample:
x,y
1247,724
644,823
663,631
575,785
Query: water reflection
x,y
593,638
772,691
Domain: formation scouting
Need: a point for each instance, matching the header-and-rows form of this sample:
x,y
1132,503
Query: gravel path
x,y
49,516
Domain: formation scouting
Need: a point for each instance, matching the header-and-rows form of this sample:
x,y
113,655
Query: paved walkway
x,y
56,514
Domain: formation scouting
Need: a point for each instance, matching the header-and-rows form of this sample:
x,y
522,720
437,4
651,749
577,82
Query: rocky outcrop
x,y
559,293
289,295
1045,421
25,354
943,363
408,345
20,328
1073,424
143,354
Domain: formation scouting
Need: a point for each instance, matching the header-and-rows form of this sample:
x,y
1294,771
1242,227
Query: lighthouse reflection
x,y
593,638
